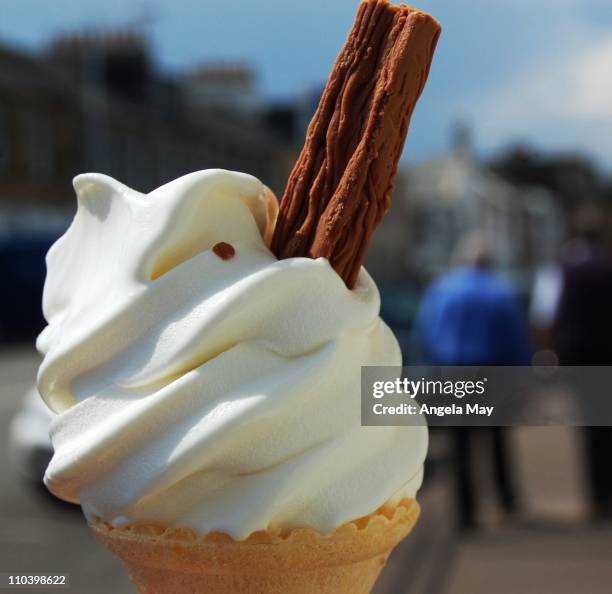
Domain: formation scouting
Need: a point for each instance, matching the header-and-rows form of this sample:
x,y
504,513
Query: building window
x,y
40,147
173,160
5,145
98,149
139,163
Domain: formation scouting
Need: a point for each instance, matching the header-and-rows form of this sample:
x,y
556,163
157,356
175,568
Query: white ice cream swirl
x,y
210,393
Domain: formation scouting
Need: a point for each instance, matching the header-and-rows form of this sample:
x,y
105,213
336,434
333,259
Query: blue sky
x,y
537,71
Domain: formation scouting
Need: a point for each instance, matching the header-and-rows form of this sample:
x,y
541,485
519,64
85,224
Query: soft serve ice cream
x,y
211,388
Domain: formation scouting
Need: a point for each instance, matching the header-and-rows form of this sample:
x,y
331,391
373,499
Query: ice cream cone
x,y
303,561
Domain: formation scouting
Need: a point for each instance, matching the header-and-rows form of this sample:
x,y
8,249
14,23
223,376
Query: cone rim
x,y
406,511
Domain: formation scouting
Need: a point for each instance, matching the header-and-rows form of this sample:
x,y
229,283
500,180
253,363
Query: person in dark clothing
x,y
471,317
581,333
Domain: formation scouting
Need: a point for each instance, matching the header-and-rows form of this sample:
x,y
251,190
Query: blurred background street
x,y
496,250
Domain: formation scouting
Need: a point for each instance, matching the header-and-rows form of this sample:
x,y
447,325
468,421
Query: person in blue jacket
x,y
470,316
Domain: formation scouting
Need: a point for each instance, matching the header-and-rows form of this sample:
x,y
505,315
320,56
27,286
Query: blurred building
x,y
224,87
571,176
288,120
95,102
438,201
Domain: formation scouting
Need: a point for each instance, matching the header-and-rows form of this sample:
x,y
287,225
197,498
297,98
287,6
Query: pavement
x,y
549,548
534,559
38,533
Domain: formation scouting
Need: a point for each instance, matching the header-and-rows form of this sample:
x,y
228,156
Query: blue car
x,y
22,270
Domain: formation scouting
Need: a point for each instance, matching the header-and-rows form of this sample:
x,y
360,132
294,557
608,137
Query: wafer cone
x,y
303,561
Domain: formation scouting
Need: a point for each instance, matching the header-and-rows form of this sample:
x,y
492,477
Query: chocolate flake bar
x,y
340,188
